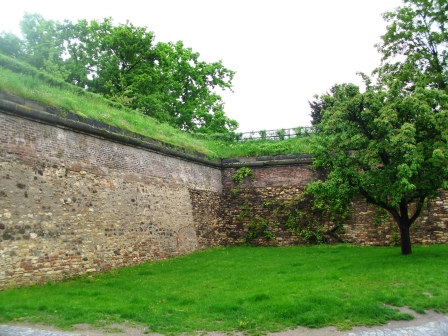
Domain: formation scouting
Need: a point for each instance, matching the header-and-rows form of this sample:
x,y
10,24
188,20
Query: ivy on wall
x,y
264,219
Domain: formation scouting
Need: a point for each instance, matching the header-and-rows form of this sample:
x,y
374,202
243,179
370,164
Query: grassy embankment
x,y
254,290
25,81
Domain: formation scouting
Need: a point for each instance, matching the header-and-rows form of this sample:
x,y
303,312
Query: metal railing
x,y
279,134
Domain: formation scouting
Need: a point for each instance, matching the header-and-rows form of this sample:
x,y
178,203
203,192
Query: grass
x,y
27,82
259,147
61,95
253,290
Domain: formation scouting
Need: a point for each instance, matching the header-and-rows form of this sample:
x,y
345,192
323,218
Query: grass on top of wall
x,y
246,148
23,80
253,290
29,86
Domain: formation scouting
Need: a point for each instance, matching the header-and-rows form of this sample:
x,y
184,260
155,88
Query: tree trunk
x,y
405,239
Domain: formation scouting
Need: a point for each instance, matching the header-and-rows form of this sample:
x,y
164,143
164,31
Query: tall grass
x,y
254,290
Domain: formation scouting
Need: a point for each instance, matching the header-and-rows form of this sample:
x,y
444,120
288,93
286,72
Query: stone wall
x,y
259,212
73,202
79,197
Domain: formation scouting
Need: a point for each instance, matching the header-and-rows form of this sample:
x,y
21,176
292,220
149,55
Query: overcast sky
x,y
283,51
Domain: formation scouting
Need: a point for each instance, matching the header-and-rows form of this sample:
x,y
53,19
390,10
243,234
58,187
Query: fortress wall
x,y
77,197
261,211
73,202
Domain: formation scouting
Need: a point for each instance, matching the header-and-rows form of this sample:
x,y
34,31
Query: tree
x,y
43,46
190,101
417,38
165,80
389,145
11,45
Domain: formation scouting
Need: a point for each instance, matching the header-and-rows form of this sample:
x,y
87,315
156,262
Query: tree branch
x,y
369,198
418,211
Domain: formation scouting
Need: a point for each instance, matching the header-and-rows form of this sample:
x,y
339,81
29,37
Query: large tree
x,y
166,81
417,38
11,45
43,46
389,145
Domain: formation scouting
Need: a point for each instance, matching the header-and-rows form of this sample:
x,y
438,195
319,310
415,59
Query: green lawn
x,y
254,290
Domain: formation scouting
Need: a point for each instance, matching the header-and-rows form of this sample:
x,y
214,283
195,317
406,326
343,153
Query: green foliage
x,y
302,131
326,101
307,221
259,227
246,211
380,216
395,239
297,216
388,144
43,46
417,32
312,234
281,134
235,191
10,45
258,290
165,80
260,147
241,175
23,80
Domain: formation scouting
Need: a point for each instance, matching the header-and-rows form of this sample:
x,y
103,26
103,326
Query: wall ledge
x,y
41,113
268,161
31,110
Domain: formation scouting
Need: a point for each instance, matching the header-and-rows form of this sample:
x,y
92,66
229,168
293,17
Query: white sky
x,y
283,51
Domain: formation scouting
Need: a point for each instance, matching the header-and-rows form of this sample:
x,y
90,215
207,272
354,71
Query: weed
x,y
395,239
246,211
241,174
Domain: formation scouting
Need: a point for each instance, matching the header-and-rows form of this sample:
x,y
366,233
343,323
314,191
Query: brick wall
x,y
72,203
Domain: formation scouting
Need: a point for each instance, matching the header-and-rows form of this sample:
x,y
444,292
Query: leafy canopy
x,y
165,80
417,38
387,144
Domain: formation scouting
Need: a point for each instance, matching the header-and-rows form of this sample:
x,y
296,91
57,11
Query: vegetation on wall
x,y
299,216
